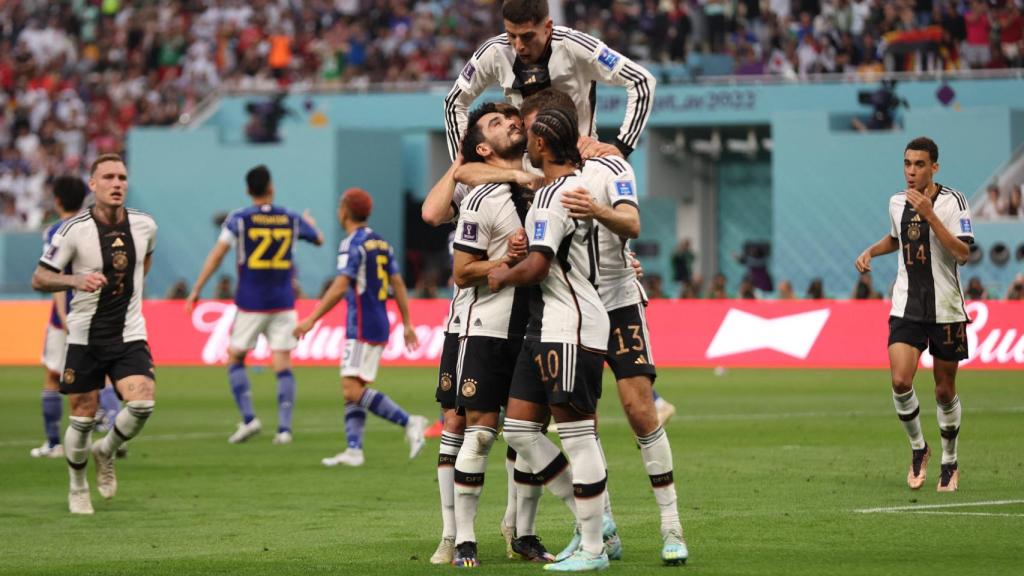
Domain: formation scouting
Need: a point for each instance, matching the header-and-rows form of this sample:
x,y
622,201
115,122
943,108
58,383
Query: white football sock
x,y
76,449
657,456
450,444
949,428
469,479
579,440
909,411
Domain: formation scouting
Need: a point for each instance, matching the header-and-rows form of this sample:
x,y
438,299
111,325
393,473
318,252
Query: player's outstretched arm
x,y
402,299
46,280
623,219
212,263
470,270
477,173
887,245
532,270
313,234
330,299
437,207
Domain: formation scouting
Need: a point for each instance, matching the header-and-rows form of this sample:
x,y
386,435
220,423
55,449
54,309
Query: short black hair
x,y
71,192
525,11
257,181
559,128
475,134
924,144
548,97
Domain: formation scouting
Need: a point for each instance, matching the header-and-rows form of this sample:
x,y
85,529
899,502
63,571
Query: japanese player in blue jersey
x,y
366,269
264,235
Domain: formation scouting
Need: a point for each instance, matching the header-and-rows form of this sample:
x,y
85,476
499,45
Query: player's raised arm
x,y
610,67
478,173
439,206
475,77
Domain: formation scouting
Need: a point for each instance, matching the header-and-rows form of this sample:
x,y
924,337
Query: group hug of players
x,y
547,292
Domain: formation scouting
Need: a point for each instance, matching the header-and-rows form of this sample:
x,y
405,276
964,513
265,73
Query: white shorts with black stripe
x,y
361,360
54,348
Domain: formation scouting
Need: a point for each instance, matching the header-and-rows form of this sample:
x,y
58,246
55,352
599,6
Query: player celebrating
x,y
264,235
366,266
560,364
109,248
930,226
533,54
68,196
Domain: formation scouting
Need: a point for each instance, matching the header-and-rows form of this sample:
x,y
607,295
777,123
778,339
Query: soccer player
x,y
533,54
68,196
109,248
491,337
930,226
366,267
264,235
560,364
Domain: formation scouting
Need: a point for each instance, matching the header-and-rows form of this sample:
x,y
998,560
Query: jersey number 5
x,y
382,275
266,237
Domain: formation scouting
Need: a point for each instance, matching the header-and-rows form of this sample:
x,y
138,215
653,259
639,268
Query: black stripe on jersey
x,y
920,304
960,292
478,197
500,39
610,164
593,256
643,103
593,108
469,249
961,201
117,249
49,267
63,230
573,38
519,316
451,120
549,193
582,39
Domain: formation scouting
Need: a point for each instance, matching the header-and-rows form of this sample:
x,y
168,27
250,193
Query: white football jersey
x,y
578,61
928,278
113,314
611,181
565,307
487,220
453,322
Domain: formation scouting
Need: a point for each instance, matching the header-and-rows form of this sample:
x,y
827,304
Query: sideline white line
x,y
966,513
937,506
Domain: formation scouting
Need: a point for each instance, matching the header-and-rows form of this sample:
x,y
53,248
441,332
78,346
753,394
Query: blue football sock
x,y
109,403
285,400
53,410
380,404
355,421
240,388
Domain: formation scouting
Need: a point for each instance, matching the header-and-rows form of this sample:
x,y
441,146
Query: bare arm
x,y
470,270
532,270
60,304
213,260
402,299
887,245
623,219
147,263
46,280
477,173
330,299
437,206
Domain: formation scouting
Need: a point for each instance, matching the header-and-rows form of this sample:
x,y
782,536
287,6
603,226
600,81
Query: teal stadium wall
x,y
827,185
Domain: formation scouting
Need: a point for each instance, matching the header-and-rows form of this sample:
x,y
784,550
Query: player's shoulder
x,y
483,194
138,216
51,230
75,223
953,193
572,38
610,164
545,196
492,46
898,198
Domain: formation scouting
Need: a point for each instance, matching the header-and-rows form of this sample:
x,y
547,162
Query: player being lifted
x,y
534,54
930,227
109,248
264,235
366,268
559,366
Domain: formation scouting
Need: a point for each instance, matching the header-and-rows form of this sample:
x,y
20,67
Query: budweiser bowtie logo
x,y
792,335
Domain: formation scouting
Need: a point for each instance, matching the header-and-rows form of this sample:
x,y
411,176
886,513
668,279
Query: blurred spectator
x,y
976,48
682,262
717,289
426,284
9,216
864,289
177,291
1011,33
224,289
816,289
975,290
691,289
994,206
1016,290
1015,207
755,258
746,289
786,290
652,285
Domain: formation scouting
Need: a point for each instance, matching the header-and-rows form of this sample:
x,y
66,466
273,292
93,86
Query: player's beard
x,y
512,150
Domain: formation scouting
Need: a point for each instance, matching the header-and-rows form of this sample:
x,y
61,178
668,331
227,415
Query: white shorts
x,y
55,346
361,360
276,326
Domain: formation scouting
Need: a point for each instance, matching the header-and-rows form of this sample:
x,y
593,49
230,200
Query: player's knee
x,y
352,390
944,393
902,383
520,441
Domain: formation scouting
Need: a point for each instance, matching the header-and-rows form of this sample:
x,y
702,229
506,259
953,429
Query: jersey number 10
x,y
266,236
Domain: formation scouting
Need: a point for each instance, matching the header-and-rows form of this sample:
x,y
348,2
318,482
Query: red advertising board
x,y
732,333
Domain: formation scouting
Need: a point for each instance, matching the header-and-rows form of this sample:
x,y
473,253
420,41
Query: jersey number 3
x,y
266,236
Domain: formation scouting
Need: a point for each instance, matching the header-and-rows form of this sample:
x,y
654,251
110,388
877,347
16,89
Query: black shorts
x,y
629,347
945,341
86,367
485,372
552,373
445,394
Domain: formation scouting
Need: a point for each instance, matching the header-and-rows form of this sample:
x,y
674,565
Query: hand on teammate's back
x,y
90,282
579,203
594,148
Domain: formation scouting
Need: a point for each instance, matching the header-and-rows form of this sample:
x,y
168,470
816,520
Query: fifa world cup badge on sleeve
x,y
468,71
624,188
608,58
965,225
540,229
469,230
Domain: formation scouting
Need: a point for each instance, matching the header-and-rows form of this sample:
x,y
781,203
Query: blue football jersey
x,y
265,236
369,261
47,238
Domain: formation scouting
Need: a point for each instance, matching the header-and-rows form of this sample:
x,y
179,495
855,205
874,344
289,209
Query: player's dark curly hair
x,y
525,11
560,130
474,132
546,98
924,144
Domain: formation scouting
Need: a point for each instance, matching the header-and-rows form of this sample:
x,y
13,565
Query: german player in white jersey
x,y
930,227
109,248
559,367
534,54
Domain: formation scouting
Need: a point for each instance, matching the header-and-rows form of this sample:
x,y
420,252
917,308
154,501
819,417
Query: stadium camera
x,y
884,102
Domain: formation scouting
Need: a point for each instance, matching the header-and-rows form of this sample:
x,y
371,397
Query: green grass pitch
x,y
771,468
